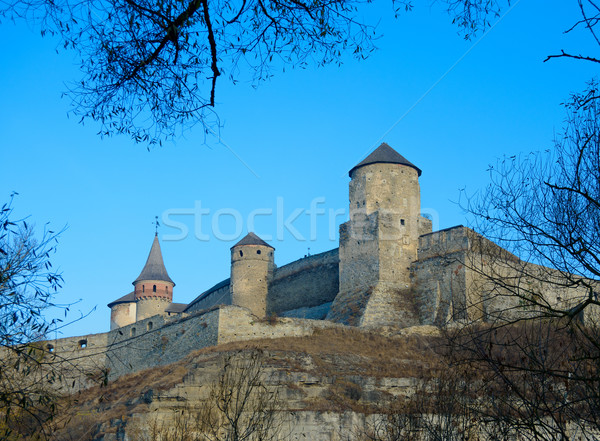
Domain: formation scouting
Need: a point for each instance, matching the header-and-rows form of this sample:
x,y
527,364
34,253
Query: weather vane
x,y
156,225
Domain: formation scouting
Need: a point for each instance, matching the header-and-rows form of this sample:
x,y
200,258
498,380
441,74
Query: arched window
x,y
257,251
133,332
50,348
154,288
149,326
83,344
241,253
143,288
166,289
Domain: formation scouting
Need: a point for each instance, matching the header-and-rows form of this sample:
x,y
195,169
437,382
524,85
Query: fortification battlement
x,y
447,241
82,344
389,272
306,263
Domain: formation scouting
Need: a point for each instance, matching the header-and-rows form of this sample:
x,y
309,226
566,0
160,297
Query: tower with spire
x,y
152,293
153,288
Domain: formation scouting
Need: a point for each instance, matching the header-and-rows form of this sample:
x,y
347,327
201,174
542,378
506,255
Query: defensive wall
x,y
219,294
306,283
439,276
449,283
460,275
161,340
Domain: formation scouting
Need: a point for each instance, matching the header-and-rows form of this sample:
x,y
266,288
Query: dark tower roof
x,y
252,239
385,154
155,267
127,298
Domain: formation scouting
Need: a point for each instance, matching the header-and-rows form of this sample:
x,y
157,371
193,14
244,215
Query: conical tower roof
x,y
252,239
155,267
385,154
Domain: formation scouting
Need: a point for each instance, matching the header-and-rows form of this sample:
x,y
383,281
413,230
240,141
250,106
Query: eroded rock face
x,y
325,385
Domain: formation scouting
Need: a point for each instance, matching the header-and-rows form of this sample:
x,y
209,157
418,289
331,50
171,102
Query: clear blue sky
x,y
297,136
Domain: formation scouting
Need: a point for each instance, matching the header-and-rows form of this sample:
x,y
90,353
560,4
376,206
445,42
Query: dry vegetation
x,y
339,355
471,381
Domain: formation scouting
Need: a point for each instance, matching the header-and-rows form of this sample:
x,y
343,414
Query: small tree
x,y
241,406
545,209
27,285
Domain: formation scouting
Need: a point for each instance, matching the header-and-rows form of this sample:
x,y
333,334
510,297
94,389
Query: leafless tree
x,y
181,425
545,209
150,68
27,285
445,406
395,420
33,379
240,406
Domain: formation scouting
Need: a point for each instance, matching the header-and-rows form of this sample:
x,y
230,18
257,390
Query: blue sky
x,y
285,145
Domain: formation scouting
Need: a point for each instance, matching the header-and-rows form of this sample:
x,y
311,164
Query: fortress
x,y
390,272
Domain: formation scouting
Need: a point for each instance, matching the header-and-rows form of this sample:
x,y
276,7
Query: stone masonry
x,y
390,271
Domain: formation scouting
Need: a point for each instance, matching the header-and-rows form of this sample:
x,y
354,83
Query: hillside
x,y
322,380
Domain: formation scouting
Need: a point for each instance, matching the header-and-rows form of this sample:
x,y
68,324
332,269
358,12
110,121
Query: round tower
x,y
252,264
122,311
387,183
379,242
153,289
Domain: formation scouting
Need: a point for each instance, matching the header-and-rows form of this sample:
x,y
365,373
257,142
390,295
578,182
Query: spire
x,y
385,154
252,239
155,267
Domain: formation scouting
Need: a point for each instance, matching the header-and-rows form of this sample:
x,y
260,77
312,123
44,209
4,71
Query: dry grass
x,y
353,351
335,354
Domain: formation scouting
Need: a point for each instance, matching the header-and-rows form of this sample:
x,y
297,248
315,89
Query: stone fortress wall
x,y
460,275
390,271
305,285
162,340
219,294
297,289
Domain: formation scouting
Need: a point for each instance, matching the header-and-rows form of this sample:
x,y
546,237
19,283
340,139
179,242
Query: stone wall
x,y
162,340
305,283
318,312
220,294
359,253
237,324
81,360
159,340
439,276
460,275
391,306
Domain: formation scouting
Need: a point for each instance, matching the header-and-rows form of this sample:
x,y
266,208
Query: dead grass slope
x,y
340,360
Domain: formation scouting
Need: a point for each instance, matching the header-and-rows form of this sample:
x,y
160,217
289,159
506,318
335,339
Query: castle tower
x,y
252,265
122,311
379,242
153,289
